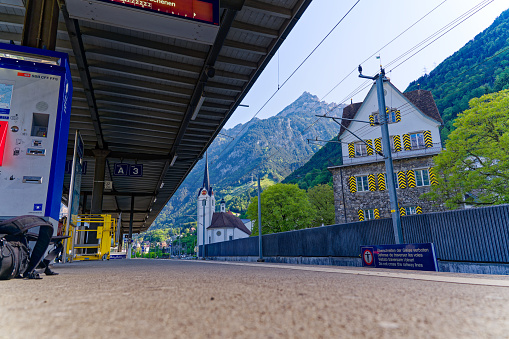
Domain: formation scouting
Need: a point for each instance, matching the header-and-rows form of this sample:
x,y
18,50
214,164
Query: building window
x,y
395,180
421,177
210,240
376,118
360,149
218,233
231,237
410,210
417,140
391,117
369,214
362,183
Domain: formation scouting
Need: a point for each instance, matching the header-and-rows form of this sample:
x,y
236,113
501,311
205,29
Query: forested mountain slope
x,y
480,67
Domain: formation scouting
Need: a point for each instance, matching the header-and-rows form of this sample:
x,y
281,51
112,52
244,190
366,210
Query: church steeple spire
x,y
206,180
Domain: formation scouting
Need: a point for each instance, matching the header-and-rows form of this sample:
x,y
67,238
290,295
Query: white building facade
x,y
360,187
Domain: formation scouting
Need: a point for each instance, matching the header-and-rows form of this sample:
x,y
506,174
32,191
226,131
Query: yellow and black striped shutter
x,y
398,116
371,182
401,179
406,142
381,182
352,184
351,150
428,140
418,210
410,175
371,120
402,211
361,215
376,212
432,176
369,147
378,145
397,143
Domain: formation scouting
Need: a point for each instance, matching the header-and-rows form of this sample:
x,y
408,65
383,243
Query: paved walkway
x,y
193,299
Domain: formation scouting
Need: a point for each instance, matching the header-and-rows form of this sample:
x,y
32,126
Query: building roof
x,y
227,220
421,99
424,101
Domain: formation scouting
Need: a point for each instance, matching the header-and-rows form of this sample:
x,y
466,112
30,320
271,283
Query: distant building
x,y
360,189
226,226
220,226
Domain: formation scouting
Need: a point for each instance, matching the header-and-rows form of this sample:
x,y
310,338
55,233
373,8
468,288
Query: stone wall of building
x,y
348,204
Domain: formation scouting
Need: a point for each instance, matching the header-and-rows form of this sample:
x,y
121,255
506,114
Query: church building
x,y
360,189
219,226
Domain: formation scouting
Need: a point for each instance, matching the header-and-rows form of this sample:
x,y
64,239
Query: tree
x,y
321,198
285,207
474,168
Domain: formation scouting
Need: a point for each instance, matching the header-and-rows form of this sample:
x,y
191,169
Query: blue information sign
x,y
121,170
404,256
68,167
136,171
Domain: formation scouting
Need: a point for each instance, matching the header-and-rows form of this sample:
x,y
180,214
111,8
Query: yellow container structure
x,y
105,229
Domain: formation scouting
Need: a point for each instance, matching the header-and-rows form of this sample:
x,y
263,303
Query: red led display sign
x,y
3,136
198,10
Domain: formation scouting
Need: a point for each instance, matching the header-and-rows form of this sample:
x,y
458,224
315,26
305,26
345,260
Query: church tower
x,y
205,196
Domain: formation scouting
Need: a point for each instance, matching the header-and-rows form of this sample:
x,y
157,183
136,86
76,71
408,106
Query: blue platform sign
x,y
121,170
68,167
136,171
419,257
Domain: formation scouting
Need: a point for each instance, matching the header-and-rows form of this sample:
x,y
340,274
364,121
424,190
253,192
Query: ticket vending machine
x,y
35,110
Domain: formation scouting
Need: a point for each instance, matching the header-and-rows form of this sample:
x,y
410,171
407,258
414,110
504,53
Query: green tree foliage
x,y
285,207
475,163
321,198
188,243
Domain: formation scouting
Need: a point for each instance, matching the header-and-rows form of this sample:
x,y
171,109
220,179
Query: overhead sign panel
x,y
200,10
194,20
127,170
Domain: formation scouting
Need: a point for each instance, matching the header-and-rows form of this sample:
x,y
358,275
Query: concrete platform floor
x,y
146,298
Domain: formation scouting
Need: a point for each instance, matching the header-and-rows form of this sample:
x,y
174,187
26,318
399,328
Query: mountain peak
x,y
308,97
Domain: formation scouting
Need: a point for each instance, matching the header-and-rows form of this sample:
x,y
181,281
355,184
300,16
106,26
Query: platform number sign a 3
x,y
367,256
127,170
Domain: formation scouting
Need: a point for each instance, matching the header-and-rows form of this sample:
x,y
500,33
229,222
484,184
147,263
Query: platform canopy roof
x,y
135,93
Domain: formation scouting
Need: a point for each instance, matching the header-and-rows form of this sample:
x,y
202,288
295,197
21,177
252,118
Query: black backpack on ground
x,y
15,257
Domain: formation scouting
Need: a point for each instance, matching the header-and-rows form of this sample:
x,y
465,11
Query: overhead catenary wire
x,y
361,87
295,71
484,4
455,23
375,53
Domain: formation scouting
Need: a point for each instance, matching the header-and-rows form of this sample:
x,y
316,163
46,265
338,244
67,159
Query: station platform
x,y
154,298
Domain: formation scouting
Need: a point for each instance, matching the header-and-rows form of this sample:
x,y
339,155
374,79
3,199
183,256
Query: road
x,y
146,298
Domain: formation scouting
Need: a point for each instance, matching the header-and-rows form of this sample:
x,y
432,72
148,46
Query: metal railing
x,y
471,235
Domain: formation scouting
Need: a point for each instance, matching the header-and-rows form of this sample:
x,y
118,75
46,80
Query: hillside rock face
x,y
273,147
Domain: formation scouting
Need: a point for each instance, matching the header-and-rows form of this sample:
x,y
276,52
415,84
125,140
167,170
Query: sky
x,y
367,28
